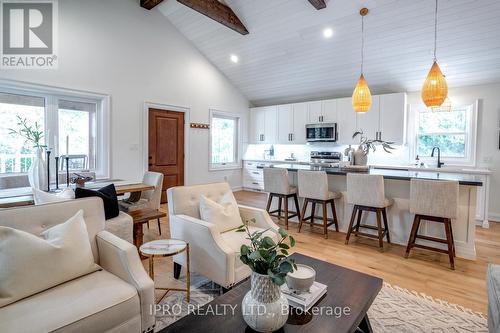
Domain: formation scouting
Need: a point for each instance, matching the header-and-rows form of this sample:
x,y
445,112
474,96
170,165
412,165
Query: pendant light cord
x,y
435,30
363,41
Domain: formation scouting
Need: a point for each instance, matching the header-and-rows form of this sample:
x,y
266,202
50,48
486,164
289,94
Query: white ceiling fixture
x,y
234,58
328,33
288,60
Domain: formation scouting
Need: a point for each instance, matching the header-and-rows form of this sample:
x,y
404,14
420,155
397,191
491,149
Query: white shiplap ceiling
x,y
285,58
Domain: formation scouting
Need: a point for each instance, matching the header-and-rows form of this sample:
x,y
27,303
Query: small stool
x,y
276,183
166,248
366,193
313,187
435,201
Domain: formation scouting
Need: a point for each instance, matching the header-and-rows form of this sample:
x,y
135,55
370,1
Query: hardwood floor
x,y
425,272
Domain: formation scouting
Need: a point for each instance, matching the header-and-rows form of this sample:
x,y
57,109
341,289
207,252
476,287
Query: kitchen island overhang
x,y
397,187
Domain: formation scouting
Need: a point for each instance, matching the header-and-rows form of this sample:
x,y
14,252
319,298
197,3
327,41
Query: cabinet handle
x,y
291,137
255,183
256,173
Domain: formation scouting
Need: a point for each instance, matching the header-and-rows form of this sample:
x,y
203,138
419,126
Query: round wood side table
x,y
166,248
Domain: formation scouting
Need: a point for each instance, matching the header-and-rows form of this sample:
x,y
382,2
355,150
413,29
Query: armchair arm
x,y
210,256
120,258
262,218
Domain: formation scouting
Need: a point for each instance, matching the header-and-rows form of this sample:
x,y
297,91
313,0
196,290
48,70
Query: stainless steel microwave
x,y
322,132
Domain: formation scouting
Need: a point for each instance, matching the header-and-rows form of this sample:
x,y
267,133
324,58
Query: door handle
x,y
150,164
150,157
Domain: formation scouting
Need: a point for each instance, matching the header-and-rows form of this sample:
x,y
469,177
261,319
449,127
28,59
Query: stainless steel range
x,y
329,159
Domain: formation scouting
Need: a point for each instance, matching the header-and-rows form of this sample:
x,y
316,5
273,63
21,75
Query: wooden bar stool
x,y
366,193
313,187
276,183
435,201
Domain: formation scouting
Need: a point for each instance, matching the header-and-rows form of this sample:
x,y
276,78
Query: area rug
x,y
394,310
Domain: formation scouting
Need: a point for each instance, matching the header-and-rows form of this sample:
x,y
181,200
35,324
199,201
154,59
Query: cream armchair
x,y
117,298
212,254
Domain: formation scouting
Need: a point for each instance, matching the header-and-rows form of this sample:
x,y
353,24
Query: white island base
x,y
399,218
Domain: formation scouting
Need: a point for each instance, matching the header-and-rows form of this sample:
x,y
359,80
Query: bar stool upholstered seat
x,y
435,201
276,183
313,187
366,193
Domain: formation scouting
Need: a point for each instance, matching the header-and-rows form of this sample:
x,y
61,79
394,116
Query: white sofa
x,y
115,299
212,254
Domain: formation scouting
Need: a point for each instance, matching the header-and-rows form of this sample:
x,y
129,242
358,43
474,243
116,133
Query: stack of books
x,y
305,299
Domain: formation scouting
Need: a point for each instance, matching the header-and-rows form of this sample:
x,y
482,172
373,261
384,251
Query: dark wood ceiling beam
x,y
218,12
150,4
318,4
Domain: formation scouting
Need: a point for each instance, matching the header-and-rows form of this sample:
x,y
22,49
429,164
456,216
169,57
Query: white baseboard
x,y
237,188
494,217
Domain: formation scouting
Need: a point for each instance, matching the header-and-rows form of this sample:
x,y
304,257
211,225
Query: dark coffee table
x,y
346,288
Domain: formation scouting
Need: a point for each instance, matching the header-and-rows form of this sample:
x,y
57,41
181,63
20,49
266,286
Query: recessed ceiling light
x,y
328,33
234,58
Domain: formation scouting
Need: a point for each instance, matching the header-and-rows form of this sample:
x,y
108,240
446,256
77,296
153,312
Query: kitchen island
x,y
397,187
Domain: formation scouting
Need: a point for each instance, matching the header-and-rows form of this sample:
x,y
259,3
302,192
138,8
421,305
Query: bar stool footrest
x,y
430,248
433,239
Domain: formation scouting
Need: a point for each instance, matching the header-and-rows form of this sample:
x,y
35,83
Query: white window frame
x,y
52,96
237,141
470,145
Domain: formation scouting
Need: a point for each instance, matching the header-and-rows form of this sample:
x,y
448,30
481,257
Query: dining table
x,y
23,196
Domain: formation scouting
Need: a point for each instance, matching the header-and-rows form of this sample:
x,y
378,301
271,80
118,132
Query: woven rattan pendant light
x,y
435,88
362,97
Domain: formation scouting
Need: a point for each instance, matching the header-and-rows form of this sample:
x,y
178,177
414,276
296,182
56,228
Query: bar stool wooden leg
x,y
450,243
349,230
325,222
334,214
269,201
279,208
286,211
452,239
304,207
379,227
313,211
413,234
297,209
358,222
386,225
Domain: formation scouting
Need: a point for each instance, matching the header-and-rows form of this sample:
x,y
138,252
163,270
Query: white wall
x,y
488,152
117,48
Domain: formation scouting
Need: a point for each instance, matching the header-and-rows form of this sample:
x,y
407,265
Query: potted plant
x,y
264,307
365,145
33,135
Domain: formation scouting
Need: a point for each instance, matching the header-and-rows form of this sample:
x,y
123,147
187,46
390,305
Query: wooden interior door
x,y
166,147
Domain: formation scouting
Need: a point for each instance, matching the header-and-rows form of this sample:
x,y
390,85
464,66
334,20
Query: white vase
x,y
264,307
360,158
37,173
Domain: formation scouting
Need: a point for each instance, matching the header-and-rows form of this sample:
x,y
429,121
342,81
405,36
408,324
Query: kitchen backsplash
x,y
400,155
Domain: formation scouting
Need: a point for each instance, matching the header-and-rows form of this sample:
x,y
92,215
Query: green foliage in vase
x,y
31,133
265,256
366,144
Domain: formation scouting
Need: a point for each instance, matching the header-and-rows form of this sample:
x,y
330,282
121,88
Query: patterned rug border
x,y
436,301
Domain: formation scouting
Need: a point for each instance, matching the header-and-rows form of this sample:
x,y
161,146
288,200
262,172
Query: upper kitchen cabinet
x,y
263,122
368,122
322,111
292,119
393,113
346,121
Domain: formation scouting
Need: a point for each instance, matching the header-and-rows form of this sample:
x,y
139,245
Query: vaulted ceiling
x,y
286,58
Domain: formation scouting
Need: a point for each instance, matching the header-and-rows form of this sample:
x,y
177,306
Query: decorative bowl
x,y
301,279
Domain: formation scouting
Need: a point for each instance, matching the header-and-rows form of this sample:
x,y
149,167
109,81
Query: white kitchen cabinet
x,y
300,118
285,123
315,111
329,111
368,122
346,121
263,122
393,118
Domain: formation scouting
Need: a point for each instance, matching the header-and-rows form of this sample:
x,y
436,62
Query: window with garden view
x,y
223,140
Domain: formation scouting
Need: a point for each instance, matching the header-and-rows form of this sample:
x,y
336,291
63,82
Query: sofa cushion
x,y
95,302
224,214
42,197
30,264
108,196
235,239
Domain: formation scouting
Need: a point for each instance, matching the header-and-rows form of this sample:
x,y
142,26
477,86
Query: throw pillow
x,y
108,196
42,197
31,264
225,214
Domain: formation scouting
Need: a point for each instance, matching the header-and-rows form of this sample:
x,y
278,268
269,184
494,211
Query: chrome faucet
x,y
439,163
